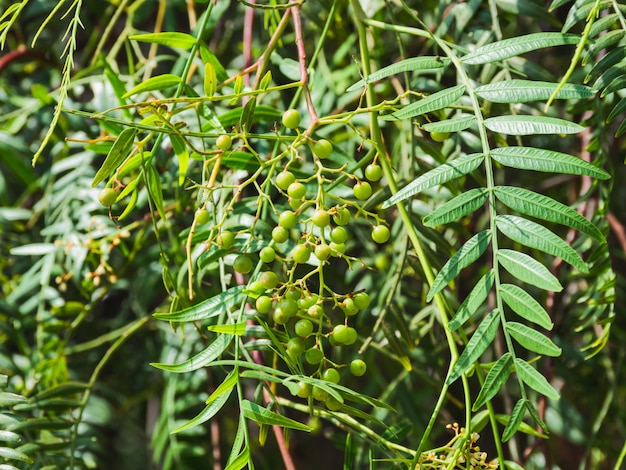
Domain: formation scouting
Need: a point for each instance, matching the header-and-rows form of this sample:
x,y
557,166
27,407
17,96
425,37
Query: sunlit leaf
x,y
209,308
407,65
540,206
237,329
450,125
480,340
525,306
533,235
497,376
523,91
434,102
531,377
240,461
156,191
466,255
530,125
203,358
529,158
532,340
262,415
118,153
180,149
474,300
440,175
516,46
159,82
171,39
528,270
463,204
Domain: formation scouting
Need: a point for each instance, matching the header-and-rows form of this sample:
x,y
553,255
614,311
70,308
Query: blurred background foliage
x,y
78,288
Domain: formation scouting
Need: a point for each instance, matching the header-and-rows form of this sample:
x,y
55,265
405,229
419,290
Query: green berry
x,y
342,216
291,118
301,254
362,190
303,327
351,336
307,301
224,142
284,179
295,347
315,311
288,306
242,264
225,240
331,375
269,279
381,234
339,235
304,390
362,300
267,254
107,197
280,234
287,219
323,252
280,317
313,356
293,293
338,248
296,190
319,394
349,307
373,172
340,333
382,261
256,287
263,304
333,404
322,148
358,367
202,216
320,218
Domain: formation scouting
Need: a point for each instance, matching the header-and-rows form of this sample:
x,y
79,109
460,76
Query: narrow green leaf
x,y
532,340
180,149
543,207
612,58
524,91
14,454
434,102
496,377
34,249
480,340
207,309
247,115
531,377
507,48
528,8
463,204
525,306
528,270
237,329
517,415
160,82
603,42
618,110
208,57
262,415
39,424
210,79
474,300
406,65
203,358
535,415
241,461
607,77
450,125
171,39
9,436
468,253
530,125
214,403
533,235
8,399
529,158
118,153
156,191
440,175
239,441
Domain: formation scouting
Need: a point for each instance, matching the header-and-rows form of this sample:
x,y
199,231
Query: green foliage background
x,y
101,309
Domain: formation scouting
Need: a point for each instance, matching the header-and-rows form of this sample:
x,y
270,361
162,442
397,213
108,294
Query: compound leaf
x,y
525,306
530,125
523,91
532,340
457,207
517,415
531,377
434,102
474,300
407,65
496,377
